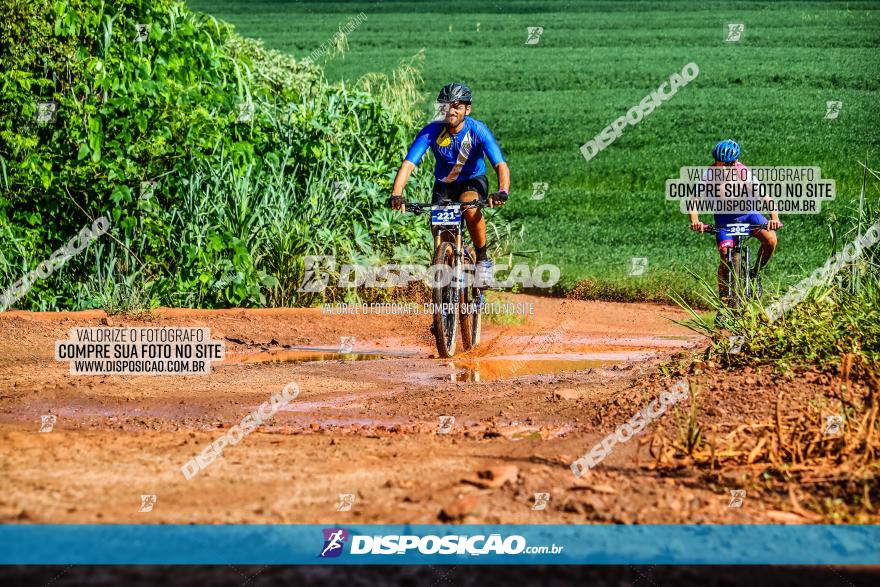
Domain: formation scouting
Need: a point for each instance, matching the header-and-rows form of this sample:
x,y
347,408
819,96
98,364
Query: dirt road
x,y
534,397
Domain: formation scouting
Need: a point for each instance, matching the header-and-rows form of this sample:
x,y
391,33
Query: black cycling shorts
x,y
453,191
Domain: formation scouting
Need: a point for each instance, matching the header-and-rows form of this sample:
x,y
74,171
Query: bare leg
x,y
768,245
474,219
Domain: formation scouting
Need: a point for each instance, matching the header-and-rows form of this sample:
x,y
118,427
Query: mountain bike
x,y
457,303
741,286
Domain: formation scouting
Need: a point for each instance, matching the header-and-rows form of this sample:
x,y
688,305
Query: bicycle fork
x,y
457,280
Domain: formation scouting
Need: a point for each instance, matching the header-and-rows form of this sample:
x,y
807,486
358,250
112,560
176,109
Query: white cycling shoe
x,y
485,274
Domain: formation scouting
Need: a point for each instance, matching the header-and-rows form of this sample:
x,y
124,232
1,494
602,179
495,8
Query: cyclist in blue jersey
x,y
726,154
459,144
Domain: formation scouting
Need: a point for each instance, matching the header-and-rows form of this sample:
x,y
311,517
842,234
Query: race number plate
x,y
738,229
443,215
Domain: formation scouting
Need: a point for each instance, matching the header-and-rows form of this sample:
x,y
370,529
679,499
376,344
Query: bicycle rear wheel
x,y
445,298
469,320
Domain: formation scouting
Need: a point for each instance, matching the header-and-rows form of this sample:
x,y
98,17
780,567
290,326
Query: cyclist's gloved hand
x,y
498,198
774,224
698,226
397,203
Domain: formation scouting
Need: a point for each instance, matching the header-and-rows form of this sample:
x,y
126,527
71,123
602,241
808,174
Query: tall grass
x,y
240,201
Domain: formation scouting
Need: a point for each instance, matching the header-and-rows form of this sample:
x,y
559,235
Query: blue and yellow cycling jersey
x,y
458,157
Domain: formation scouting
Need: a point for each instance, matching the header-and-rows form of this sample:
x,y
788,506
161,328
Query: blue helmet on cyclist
x,y
727,151
451,93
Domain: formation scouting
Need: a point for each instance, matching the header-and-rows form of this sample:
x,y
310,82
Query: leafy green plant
x,y
246,147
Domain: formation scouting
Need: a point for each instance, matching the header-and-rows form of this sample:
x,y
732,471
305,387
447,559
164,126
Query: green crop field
x,y
592,63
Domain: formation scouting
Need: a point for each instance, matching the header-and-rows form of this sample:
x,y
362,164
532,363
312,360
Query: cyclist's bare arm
x,y
696,225
503,172
774,222
406,169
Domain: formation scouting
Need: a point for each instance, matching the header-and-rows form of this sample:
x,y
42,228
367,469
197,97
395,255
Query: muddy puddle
x,y
474,370
463,369
304,355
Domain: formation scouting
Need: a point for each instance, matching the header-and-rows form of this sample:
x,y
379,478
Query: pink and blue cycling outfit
x,y
458,158
724,238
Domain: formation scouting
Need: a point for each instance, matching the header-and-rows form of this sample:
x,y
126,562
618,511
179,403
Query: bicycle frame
x,y
454,235
739,276
453,311
451,233
744,278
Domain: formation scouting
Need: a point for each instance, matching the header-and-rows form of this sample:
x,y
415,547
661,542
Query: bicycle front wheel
x,y
445,300
469,320
738,277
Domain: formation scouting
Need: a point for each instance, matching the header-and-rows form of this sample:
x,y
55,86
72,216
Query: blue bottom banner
x,y
63,544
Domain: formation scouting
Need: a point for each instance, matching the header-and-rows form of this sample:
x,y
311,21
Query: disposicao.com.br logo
x,y
479,544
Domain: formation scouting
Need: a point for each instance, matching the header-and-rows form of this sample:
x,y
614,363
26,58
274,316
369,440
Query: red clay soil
x,y
532,398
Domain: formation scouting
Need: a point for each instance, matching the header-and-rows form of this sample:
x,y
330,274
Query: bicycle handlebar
x,y
418,207
712,229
